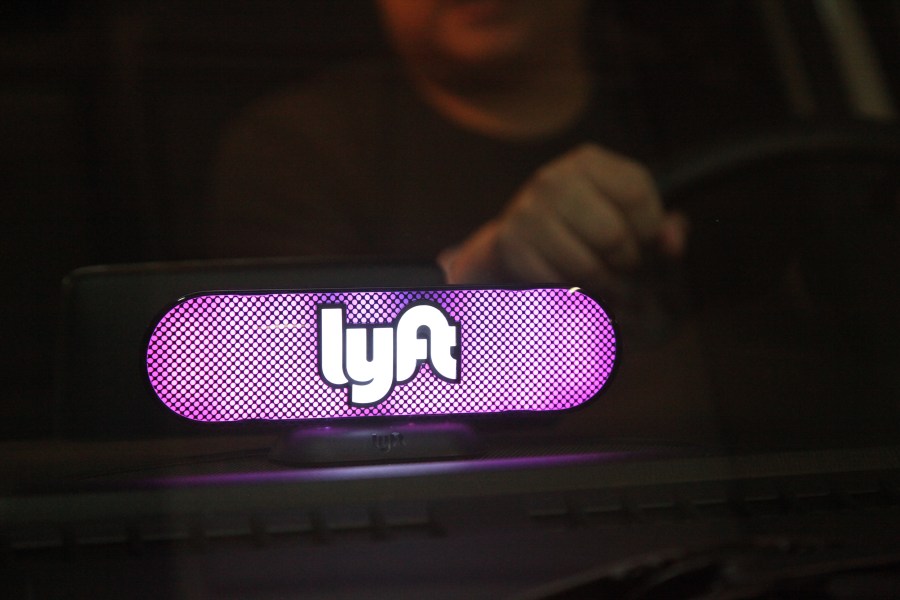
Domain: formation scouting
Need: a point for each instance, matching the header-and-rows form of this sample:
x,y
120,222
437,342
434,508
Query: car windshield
x,y
718,178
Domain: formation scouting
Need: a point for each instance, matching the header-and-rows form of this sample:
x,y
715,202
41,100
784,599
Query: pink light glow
x,y
232,357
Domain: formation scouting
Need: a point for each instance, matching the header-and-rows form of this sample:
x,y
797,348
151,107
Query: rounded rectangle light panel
x,y
342,354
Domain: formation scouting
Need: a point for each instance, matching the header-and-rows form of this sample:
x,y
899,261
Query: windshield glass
x,y
720,178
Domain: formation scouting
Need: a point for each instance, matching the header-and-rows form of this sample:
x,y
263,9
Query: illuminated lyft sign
x,y
371,359
339,354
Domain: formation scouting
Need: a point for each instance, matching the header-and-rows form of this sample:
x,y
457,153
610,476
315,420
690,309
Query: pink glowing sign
x,y
339,354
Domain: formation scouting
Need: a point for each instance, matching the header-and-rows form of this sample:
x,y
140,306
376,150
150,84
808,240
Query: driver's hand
x,y
588,218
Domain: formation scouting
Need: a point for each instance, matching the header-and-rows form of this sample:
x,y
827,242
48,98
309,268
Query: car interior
x,y
746,444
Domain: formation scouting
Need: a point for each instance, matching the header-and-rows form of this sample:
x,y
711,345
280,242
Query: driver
x,y
493,140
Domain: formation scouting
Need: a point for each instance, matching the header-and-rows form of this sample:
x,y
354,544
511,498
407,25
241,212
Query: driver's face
x,y
480,33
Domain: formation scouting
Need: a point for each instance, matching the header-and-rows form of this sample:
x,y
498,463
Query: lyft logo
x,y
372,359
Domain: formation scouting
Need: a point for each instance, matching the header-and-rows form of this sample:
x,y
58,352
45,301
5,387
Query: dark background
x,y
110,112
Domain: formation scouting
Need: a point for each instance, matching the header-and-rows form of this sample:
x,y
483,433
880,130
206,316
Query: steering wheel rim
x,y
798,355
686,184
854,141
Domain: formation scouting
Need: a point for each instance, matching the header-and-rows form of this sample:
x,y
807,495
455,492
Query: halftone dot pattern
x,y
232,357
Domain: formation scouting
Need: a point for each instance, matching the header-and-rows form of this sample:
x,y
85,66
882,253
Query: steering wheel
x,y
853,142
819,357
779,194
